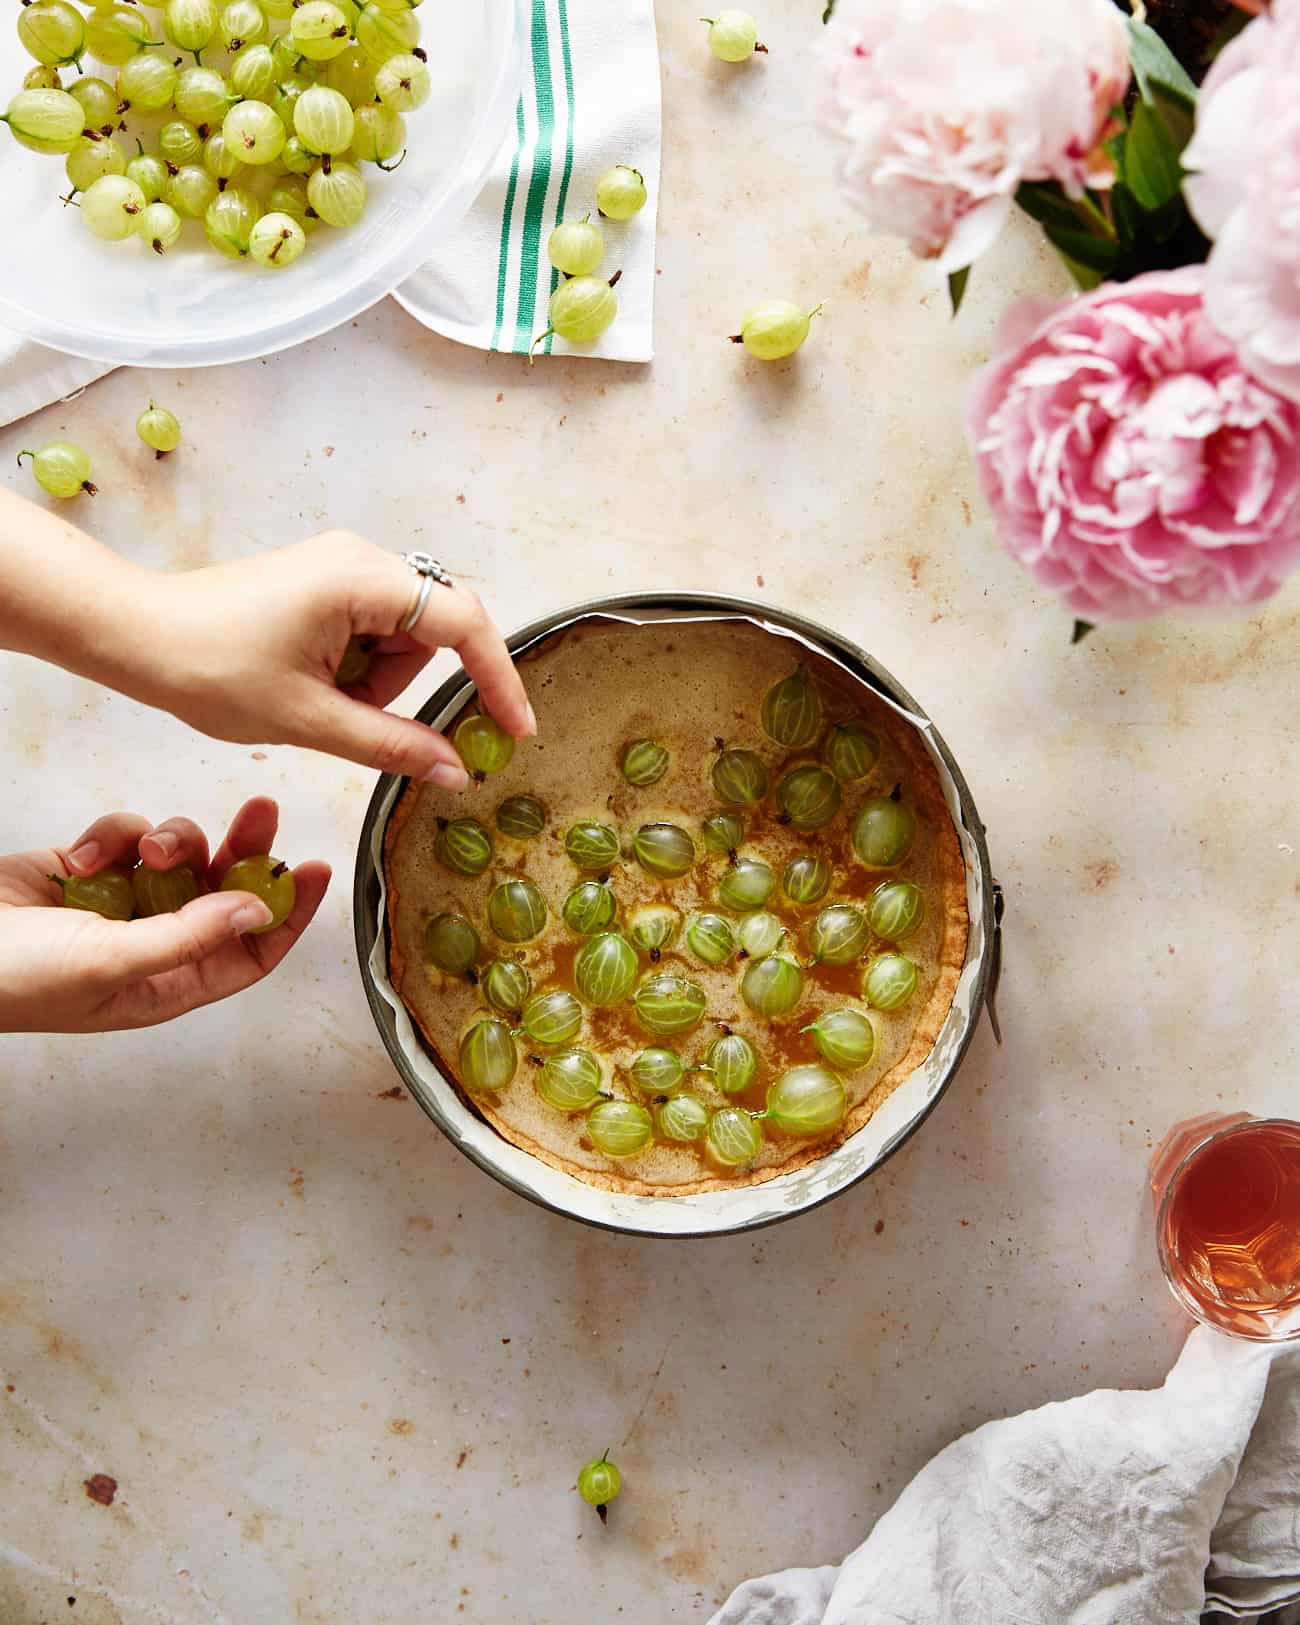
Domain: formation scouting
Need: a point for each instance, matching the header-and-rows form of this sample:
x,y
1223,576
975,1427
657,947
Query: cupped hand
x,y
66,970
249,653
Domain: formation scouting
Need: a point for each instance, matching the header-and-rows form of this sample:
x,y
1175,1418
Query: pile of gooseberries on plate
x,y
693,1083
253,118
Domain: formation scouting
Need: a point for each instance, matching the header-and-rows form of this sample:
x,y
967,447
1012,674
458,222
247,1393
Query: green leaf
x,y
1154,64
1127,215
957,281
1151,168
1085,279
827,9
1081,630
1095,253
1046,202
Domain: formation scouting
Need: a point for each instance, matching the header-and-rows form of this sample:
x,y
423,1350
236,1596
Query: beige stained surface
x,y
339,1375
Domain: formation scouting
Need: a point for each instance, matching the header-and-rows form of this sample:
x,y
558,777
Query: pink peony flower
x,y
1246,194
945,106
1132,464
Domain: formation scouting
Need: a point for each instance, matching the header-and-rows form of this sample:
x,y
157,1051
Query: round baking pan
x,y
722,1211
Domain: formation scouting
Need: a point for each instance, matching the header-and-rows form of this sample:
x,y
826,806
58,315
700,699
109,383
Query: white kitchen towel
x,y
1116,1508
32,376
590,100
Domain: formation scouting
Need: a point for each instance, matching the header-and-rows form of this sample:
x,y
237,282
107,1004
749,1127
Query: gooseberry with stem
x,y
657,1071
709,937
723,832
107,893
733,36
483,745
620,192
591,845
551,1018
52,32
791,712
599,1483
667,1004
883,831
580,310
402,83
605,969
61,467
653,928
851,751
733,1063
277,240
746,885
48,121
740,777
590,907
506,985
806,1100
759,933
682,1117
270,880
451,944
159,225
575,247
775,329
808,797
844,1037
570,1081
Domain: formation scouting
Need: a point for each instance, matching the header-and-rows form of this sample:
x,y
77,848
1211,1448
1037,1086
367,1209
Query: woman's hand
x,y
65,970
248,652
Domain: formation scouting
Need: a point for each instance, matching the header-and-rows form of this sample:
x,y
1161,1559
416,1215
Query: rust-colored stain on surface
x,y
1102,872
401,1425
462,1458
101,1488
879,1227
296,1183
395,1093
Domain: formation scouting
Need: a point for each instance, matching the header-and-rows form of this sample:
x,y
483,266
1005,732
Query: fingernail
x,y
447,776
85,857
532,719
248,916
167,843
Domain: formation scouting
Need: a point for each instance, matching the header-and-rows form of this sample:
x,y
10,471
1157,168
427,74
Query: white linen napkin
x,y
32,376
590,100
1116,1508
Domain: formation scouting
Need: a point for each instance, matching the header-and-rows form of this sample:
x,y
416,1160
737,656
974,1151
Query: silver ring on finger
x,y
428,570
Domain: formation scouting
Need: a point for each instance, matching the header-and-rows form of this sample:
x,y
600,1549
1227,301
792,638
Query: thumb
x,y
164,942
391,744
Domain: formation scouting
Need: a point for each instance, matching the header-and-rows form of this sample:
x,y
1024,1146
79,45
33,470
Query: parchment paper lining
x,y
707,1211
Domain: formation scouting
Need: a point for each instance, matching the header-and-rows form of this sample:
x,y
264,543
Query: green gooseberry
x,y
516,910
733,1062
506,984
645,761
896,909
709,937
488,1057
851,751
653,927
791,713
483,745
733,1137
723,832
807,879
683,1117
808,797
107,893
550,1018
619,1128
522,818
760,934
451,944
806,1100
667,1003
463,846
665,850
740,777
746,885
772,986
889,981
591,845
590,907
605,969
657,1071
570,1081
162,891
839,934
599,1483
883,832
844,1037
